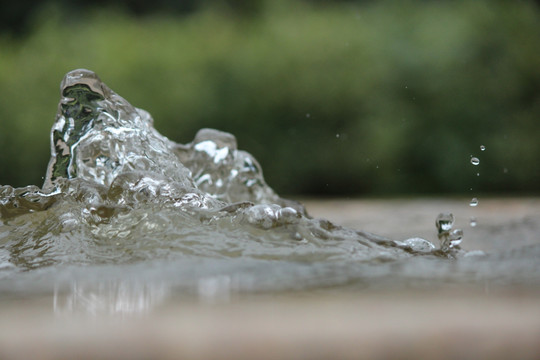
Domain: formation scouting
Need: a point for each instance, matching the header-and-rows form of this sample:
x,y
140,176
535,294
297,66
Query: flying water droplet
x,y
475,161
482,147
474,202
473,222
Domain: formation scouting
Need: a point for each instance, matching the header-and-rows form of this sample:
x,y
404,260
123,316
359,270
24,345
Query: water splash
x,y
448,237
116,190
150,219
98,135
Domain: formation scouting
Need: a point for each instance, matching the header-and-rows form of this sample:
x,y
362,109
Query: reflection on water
x,y
125,297
109,298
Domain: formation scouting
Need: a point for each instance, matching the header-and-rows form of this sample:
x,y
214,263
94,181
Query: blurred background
x,y
334,98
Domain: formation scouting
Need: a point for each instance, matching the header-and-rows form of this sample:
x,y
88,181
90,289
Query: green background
x,y
333,98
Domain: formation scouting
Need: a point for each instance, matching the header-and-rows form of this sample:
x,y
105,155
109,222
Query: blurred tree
x,y
384,98
16,16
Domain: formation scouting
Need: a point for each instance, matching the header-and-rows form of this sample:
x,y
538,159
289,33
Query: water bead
x,y
444,222
475,161
474,202
455,238
482,147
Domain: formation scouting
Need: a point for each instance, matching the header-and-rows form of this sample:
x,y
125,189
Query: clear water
x,y
127,218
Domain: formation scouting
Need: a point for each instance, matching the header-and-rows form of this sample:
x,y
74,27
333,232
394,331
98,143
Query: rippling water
x,y
130,217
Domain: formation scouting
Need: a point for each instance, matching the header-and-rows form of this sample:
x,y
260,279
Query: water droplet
x,y
474,202
473,222
444,222
308,115
475,161
477,174
337,136
455,238
482,147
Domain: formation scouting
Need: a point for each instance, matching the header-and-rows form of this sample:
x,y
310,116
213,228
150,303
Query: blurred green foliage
x,y
331,98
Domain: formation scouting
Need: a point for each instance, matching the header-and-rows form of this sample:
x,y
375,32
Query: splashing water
x,y
450,239
114,183
122,198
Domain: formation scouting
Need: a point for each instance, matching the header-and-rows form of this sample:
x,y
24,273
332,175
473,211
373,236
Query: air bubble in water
x,y
475,161
482,147
474,202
